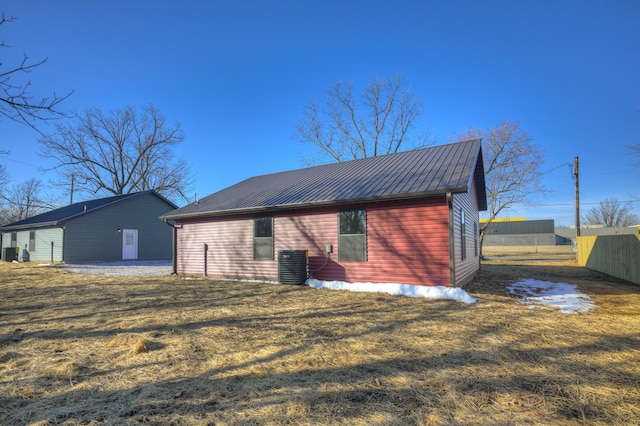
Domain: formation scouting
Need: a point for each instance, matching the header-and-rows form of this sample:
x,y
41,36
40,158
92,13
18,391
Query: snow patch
x,y
563,296
430,292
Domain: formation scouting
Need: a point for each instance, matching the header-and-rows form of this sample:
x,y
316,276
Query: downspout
x,y
452,242
174,249
64,244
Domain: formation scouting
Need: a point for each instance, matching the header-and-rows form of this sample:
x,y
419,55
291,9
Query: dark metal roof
x,y
410,174
72,211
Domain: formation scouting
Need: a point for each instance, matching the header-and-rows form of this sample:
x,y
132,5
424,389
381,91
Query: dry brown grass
x,y
77,349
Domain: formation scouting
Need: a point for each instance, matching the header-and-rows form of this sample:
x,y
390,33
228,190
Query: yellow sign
x,y
504,219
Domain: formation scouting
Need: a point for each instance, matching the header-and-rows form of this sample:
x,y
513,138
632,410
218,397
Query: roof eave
x,y
328,203
29,226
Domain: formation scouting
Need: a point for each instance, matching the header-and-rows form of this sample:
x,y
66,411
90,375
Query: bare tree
x,y
379,123
119,152
4,178
22,201
634,150
512,168
16,100
611,214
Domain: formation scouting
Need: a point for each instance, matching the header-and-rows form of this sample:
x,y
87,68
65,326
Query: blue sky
x,y
238,74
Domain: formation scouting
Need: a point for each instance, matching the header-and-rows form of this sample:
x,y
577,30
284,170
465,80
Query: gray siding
x,y
466,269
95,237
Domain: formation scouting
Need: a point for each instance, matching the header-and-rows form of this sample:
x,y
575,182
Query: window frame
x,y
463,236
32,241
475,239
352,241
262,241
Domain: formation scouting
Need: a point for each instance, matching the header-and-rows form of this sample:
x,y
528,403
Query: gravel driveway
x,y
124,269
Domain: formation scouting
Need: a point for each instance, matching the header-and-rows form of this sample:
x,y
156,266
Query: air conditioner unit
x,y
292,266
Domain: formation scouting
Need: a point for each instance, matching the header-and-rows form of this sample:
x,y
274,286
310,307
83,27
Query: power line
x,y
568,204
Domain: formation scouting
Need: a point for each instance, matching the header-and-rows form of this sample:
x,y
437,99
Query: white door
x,y
129,244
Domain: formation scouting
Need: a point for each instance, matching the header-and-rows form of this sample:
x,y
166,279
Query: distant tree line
x,y
95,152
611,214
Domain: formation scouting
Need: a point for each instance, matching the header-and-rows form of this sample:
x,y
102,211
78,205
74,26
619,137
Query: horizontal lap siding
x,y
229,249
48,245
465,270
312,231
97,236
407,243
44,238
230,244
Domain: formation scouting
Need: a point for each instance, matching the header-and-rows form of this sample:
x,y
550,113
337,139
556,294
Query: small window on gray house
x,y
14,239
475,239
32,241
352,238
463,236
263,238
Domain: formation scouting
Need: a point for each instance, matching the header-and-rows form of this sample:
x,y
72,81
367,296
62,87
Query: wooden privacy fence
x,y
615,255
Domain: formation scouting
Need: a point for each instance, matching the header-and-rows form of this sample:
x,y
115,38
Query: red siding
x,y
229,248
407,243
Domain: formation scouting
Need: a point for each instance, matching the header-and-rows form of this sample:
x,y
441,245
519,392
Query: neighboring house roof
x,y
411,174
72,211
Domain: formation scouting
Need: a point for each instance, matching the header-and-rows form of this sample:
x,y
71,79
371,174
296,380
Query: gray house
x,y
123,227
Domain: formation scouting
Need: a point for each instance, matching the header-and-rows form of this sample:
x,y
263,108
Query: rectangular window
x,y
263,238
463,236
352,235
14,239
32,241
475,239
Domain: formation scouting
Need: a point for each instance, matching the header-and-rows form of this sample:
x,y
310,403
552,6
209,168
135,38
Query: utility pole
x,y
71,197
576,177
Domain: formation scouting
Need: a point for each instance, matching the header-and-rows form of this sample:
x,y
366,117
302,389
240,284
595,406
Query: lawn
x,y
79,349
